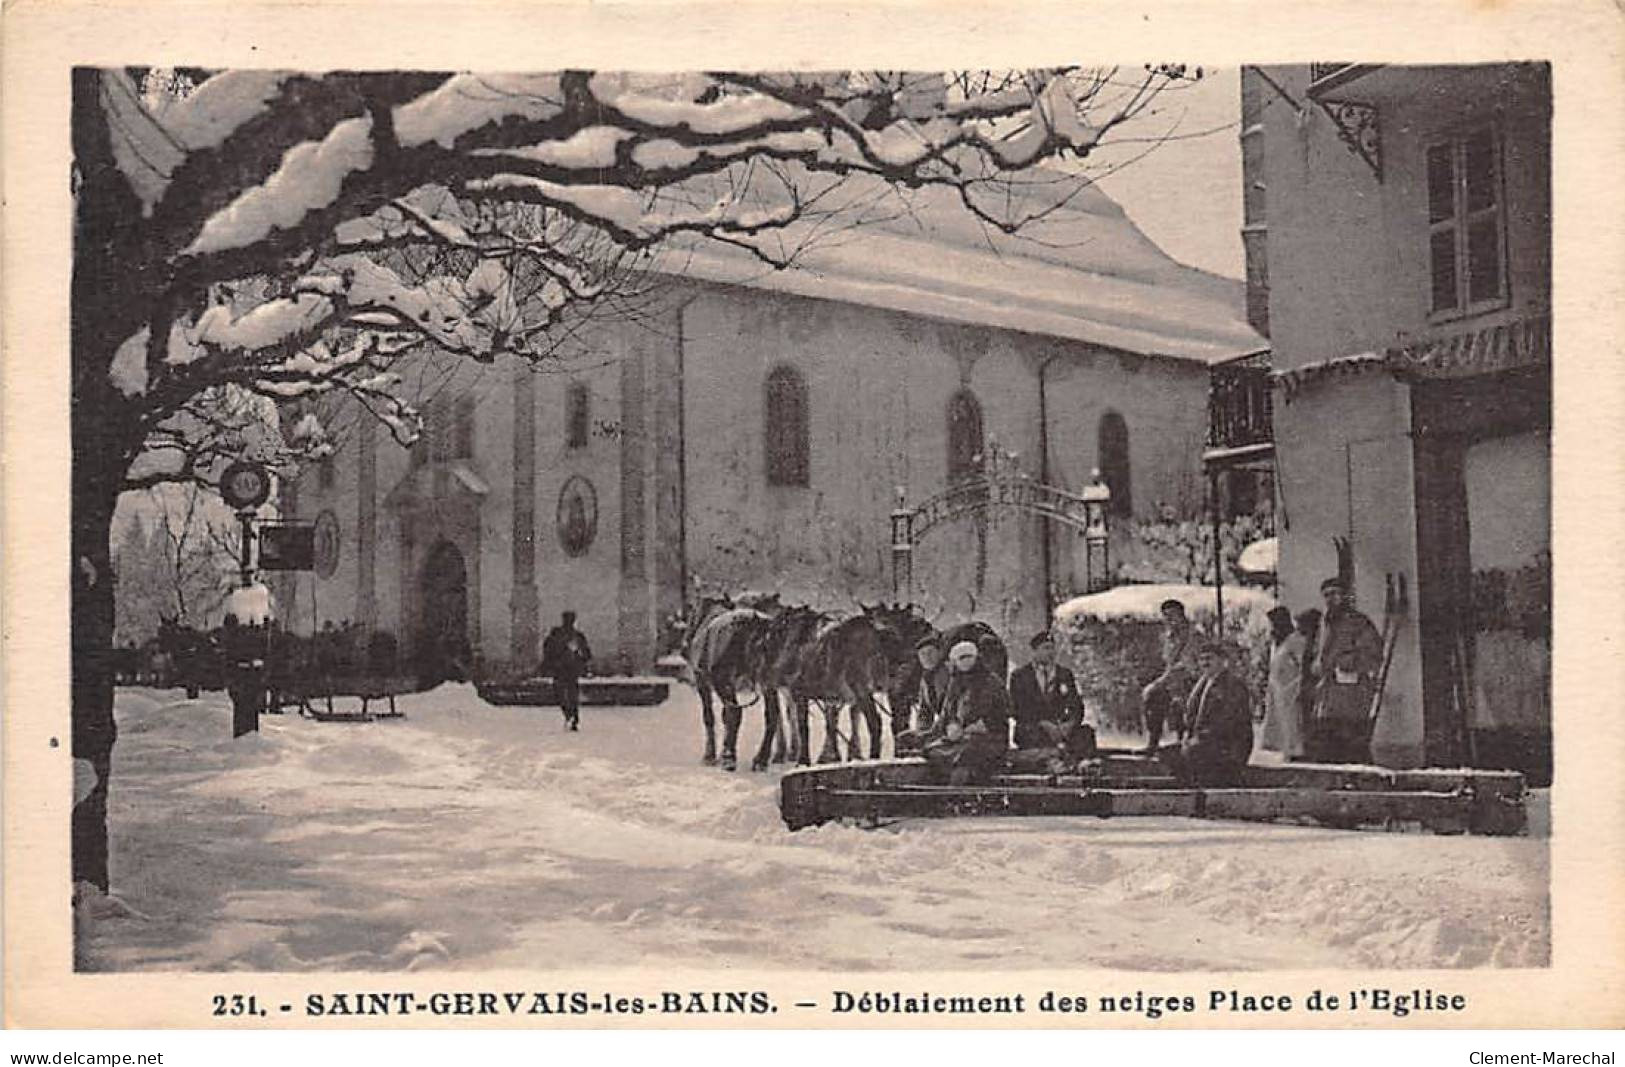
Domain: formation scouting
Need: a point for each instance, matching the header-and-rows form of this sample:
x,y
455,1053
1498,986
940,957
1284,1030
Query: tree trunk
x,y
111,293
94,730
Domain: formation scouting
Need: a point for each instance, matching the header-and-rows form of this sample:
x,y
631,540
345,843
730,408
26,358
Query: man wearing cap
x,y
1346,663
1164,697
1047,709
971,737
1220,718
929,686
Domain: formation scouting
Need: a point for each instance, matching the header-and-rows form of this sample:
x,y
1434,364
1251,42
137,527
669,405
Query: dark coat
x,y
930,688
565,653
977,697
1058,702
977,702
1220,715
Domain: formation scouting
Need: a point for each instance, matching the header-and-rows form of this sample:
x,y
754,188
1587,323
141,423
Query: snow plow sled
x,y
1121,783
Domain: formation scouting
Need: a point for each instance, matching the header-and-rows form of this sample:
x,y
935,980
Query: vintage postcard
x,y
634,516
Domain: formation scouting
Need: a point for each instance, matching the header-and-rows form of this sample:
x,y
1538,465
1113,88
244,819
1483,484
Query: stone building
x,y
1399,257
754,429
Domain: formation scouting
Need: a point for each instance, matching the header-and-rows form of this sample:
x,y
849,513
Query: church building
x,y
755,429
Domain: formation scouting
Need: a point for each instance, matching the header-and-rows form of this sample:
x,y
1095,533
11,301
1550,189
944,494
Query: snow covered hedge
x,y
1113,642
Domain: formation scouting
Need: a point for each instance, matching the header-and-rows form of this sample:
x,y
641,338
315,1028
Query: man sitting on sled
x,y
1219,720
971,738
1050,731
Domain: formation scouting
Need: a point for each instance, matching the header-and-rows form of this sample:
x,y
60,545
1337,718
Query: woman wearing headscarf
x,y
1283,724
971,739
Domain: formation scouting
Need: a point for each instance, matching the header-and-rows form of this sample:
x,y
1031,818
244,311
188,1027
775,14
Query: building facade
x,y
754,430
1399,257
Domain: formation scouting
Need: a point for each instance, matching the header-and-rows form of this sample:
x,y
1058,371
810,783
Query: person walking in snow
x,y
566,656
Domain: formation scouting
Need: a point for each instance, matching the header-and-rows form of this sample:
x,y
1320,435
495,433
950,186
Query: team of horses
x,y
792,657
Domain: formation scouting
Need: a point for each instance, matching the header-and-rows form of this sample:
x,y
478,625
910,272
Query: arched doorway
x,y
443,645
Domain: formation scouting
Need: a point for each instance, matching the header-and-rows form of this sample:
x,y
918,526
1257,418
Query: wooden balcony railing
x,y
1238,407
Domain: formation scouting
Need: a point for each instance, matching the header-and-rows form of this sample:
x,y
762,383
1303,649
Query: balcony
x,y
1239,420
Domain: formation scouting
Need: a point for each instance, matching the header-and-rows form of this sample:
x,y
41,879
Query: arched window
x,y
964,436
578,415
785,429
1112,450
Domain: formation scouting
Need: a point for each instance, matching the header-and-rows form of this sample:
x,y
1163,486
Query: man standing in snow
x,y
565,658
1164,697
1349,657
1220,717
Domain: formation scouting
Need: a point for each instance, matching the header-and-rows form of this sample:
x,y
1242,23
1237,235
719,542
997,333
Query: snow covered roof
x,y
1141,602
1084,272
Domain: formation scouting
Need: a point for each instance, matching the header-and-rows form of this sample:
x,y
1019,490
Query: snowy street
x,y
473,837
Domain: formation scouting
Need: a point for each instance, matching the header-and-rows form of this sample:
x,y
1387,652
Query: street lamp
x,y
1097,499
902,547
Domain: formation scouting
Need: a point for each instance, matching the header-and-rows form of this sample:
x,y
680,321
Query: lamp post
x,y
902,548
1097,499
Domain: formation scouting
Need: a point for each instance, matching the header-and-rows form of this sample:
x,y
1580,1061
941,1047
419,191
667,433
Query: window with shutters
x,y
786,428
1466,224
578,416
964,436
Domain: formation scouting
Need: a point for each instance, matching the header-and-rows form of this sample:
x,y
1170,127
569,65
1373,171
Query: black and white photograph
x,y
810,519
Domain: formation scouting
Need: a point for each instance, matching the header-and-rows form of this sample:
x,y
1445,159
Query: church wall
x,y
589,583
676,459
879,387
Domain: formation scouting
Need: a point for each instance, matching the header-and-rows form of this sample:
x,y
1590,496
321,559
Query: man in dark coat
x,y
927,688
565,658
1346,665
1047,708
971,738
1219,719
1164,696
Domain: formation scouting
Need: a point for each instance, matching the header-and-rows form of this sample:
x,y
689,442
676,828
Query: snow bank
x,y
470,837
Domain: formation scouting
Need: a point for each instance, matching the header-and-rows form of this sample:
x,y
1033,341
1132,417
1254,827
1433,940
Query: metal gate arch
x,y
1084,512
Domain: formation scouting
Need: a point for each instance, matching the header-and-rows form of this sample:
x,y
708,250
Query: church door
x,y
444,649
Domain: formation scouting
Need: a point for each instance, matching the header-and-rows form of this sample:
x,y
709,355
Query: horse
x,y
852,659
718,665
776,656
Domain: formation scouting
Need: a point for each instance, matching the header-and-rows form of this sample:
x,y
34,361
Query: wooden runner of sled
x,y
371,696
1444,801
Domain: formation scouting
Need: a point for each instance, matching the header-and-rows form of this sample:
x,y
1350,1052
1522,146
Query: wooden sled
x,y
365,690
1124,784
595,692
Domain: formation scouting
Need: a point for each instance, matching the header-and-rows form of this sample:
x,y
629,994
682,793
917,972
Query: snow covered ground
x,y
473,837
